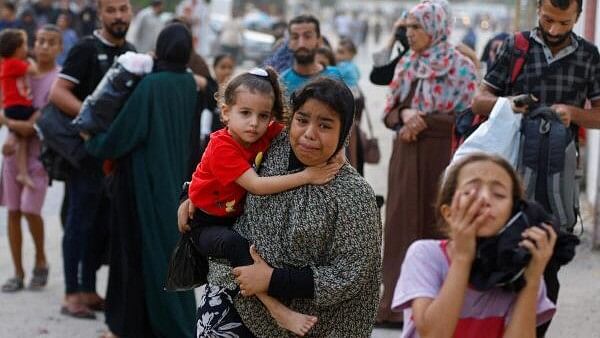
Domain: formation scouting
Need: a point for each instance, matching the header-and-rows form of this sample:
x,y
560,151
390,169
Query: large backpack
x,y
62,148
548,163
466,121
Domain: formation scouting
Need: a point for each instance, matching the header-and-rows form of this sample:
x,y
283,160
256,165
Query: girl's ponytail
x,y
279,106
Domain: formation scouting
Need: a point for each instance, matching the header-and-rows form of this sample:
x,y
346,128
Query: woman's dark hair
x,y
10,40
328,53
348,44
564,4
267,85
334,94
449,182
173,48
220,57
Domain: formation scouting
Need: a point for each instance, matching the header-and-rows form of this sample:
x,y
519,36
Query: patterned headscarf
x,y
446,80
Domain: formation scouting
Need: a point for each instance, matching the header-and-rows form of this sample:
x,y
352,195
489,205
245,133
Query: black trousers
x,y
218,241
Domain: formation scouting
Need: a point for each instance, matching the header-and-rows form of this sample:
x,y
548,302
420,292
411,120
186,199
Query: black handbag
x,y
58,134
187,268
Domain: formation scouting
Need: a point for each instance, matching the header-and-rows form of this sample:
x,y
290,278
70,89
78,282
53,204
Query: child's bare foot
x,y
294,321
25,180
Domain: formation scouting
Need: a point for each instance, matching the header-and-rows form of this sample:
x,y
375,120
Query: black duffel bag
x,y
58,135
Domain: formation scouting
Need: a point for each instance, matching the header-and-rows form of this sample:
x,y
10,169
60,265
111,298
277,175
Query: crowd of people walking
x,y
287,231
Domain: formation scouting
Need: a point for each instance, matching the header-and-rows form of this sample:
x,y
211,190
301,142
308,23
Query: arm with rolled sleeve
x,y
75,70
590,118
494,83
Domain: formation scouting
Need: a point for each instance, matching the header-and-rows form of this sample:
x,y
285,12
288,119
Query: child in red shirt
x,y
219,185
16,94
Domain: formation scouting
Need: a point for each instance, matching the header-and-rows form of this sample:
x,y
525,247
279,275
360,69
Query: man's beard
x,y
557,39
115,31
304,56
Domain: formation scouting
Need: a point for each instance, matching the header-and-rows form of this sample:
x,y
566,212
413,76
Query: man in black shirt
x,y
85,228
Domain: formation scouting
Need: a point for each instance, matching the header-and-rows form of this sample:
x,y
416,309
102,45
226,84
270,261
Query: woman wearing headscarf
x,y
431,83
317,247
150,140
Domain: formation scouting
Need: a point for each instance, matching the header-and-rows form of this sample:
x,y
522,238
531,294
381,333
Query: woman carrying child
x,y
317,247
23,200
251,105
479,195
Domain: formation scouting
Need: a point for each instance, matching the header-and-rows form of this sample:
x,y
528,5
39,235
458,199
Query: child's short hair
x,y
254,81
348,44
221,57
51,28
10,40
328,53
449,182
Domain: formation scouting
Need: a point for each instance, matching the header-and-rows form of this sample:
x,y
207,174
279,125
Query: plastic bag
x,y
187,268
499,135
102,106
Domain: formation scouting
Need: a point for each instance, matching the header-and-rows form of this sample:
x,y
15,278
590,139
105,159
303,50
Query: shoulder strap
x,y
369,124
521,48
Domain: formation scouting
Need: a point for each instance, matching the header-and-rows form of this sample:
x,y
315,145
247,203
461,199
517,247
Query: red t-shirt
x,y
213,188
15,88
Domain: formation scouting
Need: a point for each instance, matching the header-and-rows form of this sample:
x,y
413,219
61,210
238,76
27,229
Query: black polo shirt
x,y
87,62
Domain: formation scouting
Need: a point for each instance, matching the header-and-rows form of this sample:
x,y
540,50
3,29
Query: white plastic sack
x,y
136,63
499,135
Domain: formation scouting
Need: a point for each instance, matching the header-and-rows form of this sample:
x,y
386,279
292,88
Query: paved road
x,y
36,314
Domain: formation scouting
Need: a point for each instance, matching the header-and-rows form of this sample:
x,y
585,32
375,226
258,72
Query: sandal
x,y
97,306
39,279
13,285
78,311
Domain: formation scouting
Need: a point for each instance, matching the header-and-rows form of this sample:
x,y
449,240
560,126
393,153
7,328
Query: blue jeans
x,y
81,241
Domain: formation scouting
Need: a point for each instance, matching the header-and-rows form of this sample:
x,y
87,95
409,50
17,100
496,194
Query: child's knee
x,y
233,240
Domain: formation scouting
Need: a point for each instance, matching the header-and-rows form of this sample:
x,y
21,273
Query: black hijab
x,y
173,49
334,94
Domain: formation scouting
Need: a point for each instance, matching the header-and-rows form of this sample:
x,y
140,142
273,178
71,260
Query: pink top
x,y
483,315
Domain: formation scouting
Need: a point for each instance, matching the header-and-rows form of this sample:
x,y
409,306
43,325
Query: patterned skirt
x,y
217,316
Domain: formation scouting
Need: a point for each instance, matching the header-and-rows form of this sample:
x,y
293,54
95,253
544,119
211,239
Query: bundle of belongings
x,y
100,109
61,134
501,262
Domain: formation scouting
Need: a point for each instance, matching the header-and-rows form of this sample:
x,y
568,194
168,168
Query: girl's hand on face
x,y
184,211
540,243
254,278
322,174
467,215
